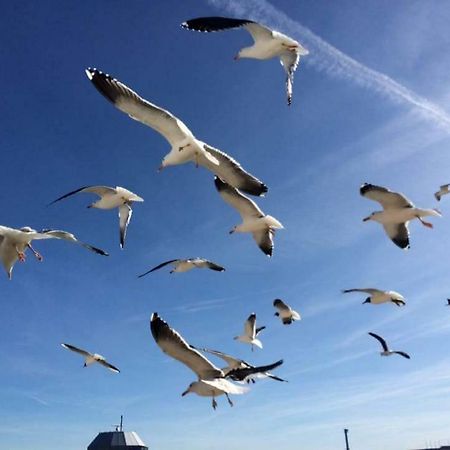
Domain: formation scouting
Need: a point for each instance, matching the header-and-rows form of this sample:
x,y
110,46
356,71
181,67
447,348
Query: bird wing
x,y
106,364
240,374
158,267
405,355
99,190
226,386
76,349
259,329
214,23
387,198
399,234
280,305
65,235
129,102
370,291
264,239
230,360
289,60
204,263
8,254
245,206
125,213
250,326
172,343
381,341
231,172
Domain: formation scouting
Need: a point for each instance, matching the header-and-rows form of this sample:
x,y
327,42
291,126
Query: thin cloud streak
x,y
326,58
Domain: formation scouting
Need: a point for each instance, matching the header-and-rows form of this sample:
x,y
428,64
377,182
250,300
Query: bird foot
x,y
229,400
39,257
21,256
214,404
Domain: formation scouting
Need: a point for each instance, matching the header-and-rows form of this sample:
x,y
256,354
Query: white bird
x,y
211,380
396,214
184,265
185,147
285,312
110,198
250,332
254,221
240,370
443,190
268,43
14,243
91,358
378,296
386,351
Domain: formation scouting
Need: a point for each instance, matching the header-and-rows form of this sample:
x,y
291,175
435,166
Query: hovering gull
x,y
14,243
251,332
238,369
386,351
261,226
396,214
267,43
443,190
110,198
211,380
377,296
185,147
91,358
285,312
184,265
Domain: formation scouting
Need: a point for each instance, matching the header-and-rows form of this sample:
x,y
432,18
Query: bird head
x,y
367,300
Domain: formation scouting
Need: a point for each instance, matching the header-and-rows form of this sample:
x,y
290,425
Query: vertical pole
x,y
121,423
346,439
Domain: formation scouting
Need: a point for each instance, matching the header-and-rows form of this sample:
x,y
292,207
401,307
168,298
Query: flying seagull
x,y
14,243
91,358
386,351
110,198
211,380
184,265
377,296
396,214
268,43
254,221
285,312
250,332
240,370
184,146
443,190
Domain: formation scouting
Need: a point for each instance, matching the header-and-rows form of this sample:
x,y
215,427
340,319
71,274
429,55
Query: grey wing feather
x,y
264,239
172,343
231,172
399,234
109,366
76,349
405,355
125,213
242,373
158,267
367,290
387,198
380,340
129,102
250,326
230,360
214,23
99,190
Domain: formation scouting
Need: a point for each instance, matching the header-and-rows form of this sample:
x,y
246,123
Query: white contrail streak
x,y
326,58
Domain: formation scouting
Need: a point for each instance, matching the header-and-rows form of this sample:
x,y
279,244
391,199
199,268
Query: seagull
x,y
386,351
14,243
377,296
261,226
91,358
184,265
184,146
250,332
443,190
268,43
110,198
211,380
239,370
396,214
285,312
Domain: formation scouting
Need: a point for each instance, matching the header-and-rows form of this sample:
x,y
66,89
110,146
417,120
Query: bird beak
x,y
160,168
185,392
236,57
366,219
365,301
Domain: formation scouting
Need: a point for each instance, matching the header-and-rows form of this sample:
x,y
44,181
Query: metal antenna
x,y
346,439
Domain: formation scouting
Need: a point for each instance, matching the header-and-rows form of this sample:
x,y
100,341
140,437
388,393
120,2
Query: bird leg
x,y
229,401
427,224
214,403
35,253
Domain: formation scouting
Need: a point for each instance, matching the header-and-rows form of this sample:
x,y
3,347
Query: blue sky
x,y
369,104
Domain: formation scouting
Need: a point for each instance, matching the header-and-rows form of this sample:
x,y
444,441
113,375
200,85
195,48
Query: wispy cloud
x,y
330,60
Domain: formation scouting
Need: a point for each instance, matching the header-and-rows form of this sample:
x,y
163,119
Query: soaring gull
x,y
396,214
443,190
211,380
254,221
250,332
91,358
386,351
110,198
185,146
267,43
285,312
378,296
184,265
14,243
